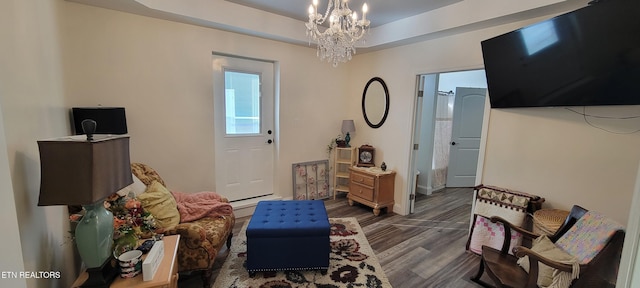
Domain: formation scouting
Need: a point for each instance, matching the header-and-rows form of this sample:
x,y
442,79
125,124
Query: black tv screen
x,y
587,57
109,120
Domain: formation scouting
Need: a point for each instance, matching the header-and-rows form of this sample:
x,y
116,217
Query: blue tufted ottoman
x,y
288,235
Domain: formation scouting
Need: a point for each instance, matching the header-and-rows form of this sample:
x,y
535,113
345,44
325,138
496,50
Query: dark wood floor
x,y
424,249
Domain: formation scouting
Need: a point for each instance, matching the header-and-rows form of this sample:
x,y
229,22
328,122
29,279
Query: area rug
x,y
352,263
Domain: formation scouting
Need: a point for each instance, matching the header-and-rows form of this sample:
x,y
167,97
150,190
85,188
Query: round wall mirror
x,y
375,102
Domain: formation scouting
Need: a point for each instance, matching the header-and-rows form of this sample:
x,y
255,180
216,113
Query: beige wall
x,y
33,107
63,54
548,152
552,152
399,68
161,72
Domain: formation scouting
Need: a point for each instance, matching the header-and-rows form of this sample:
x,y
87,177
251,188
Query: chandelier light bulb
x,y
354,16
365,9
311,10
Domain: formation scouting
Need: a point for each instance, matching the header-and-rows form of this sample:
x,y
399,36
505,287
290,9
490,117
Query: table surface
x,y
162,277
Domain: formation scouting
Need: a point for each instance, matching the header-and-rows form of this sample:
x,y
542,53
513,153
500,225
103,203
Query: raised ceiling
x,y
394,23
381,11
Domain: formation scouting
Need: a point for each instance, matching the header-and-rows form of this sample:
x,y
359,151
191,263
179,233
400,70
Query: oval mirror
x,y
375,102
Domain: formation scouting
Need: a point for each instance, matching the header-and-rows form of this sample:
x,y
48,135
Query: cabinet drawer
x,y
362,179
363,192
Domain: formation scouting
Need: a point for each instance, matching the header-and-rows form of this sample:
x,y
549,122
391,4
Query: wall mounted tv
x,y
109,120
587,57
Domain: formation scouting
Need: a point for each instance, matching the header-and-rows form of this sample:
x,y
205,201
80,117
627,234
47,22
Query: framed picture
x,y
311,180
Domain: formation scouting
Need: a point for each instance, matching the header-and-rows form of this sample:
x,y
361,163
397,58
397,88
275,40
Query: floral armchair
x,y
200,240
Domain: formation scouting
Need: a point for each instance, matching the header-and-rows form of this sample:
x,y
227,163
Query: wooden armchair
x,y
601,237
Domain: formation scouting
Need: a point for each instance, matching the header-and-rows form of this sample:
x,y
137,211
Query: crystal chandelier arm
x,y
320,20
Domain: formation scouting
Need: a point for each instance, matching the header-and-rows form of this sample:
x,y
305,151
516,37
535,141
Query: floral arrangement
x,y
130,222
129,217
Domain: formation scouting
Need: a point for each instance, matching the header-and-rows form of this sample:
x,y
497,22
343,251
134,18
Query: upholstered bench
x,y
288,235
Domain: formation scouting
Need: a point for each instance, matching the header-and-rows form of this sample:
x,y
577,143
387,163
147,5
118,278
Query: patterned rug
x,y
352,263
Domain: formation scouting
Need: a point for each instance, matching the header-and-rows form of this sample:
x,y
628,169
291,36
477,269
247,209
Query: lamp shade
x,y
75,171
348,127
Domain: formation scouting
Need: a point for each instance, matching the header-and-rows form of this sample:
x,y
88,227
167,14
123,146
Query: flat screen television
x,y
587,57
109,120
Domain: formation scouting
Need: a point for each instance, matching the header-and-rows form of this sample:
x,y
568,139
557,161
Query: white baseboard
x,y
424,190
436,189
244,208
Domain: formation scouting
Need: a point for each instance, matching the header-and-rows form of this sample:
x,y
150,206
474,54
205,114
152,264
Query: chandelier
x,y
336,43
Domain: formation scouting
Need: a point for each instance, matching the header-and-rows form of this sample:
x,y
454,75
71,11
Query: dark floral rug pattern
x,y
352,264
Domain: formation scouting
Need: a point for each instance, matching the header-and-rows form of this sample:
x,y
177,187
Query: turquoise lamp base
x,y
347,138
94,235
94,239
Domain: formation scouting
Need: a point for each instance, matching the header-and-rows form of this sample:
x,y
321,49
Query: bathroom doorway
x,y
434,122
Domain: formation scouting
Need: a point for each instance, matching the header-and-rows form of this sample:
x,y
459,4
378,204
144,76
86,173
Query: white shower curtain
x,y
442,138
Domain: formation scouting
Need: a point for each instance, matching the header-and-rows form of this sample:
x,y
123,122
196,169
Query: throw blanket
x,y
193,206
492,201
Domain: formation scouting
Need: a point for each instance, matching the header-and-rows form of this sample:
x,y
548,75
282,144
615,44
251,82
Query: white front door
x,y
468,109
243,91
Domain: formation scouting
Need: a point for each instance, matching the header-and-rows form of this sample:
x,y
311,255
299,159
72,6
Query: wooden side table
x,y
166,276
372,187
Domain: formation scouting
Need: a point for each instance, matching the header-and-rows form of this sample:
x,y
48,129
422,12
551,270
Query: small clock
x,y
366,156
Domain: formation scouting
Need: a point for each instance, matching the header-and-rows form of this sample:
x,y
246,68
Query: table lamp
x,y
78,171
348,127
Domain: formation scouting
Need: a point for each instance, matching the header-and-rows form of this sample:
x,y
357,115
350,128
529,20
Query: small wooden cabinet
x,y
372,187
344,159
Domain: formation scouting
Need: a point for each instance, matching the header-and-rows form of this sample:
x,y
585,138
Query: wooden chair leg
x,y
206,278
478,275
480,272
229,240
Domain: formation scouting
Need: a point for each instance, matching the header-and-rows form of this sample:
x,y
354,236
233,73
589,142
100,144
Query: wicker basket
x,y
547,221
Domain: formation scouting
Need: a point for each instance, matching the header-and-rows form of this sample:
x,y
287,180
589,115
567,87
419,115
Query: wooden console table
x,y
166,276
372,187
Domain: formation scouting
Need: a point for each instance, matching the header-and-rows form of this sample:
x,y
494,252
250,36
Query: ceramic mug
x,y
130,263
130,274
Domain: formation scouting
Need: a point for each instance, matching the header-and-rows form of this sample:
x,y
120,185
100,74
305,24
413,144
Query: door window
x,y
242,103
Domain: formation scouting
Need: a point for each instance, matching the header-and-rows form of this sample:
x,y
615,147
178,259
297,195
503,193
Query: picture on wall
x,y
311,180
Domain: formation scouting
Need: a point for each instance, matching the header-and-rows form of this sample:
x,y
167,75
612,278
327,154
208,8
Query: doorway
x,y
244,93
433,123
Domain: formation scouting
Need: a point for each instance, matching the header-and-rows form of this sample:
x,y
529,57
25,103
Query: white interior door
x,y
416,144
243,91
468,109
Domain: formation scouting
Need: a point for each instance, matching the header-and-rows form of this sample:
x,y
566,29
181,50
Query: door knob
x,y
269,132
453,143
269,141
